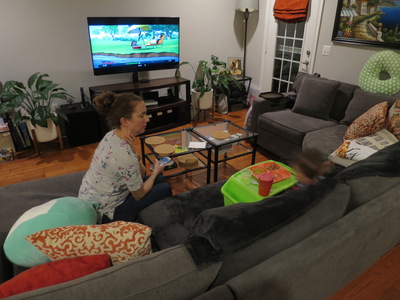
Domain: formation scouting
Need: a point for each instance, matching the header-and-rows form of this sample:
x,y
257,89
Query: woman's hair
x,y
309,162
116,106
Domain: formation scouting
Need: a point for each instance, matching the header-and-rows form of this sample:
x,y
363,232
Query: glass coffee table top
x,y
236,133
180,141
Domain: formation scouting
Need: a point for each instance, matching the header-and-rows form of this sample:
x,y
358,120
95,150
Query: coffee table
x,y
230,147
181,140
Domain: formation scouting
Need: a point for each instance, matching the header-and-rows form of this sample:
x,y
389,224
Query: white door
x,y
290,48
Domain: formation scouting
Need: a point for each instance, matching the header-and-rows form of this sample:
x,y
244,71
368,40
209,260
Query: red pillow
x,y
54,273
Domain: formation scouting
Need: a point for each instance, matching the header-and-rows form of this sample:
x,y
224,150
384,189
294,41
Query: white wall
x,y
345,61
50,36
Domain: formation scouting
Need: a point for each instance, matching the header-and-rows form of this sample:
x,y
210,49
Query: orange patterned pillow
x,y
121,240
368,123
394,119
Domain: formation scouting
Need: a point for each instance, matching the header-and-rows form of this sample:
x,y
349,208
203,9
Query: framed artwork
x,y
235,65
372,22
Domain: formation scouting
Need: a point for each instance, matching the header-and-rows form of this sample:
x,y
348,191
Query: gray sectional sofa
x,y
302,244
321,114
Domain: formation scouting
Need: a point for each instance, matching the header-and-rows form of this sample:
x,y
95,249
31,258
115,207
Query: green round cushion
x,y
384,61
55,213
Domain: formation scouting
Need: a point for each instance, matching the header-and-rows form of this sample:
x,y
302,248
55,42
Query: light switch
x,y
326,50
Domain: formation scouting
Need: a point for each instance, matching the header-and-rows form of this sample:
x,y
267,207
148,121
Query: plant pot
x,y
204,102
43,134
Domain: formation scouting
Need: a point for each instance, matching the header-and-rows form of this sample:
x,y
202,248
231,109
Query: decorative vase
x,y
223,104
43,134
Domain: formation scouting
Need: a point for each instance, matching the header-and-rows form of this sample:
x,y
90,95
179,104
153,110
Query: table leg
x,y
208,165
216,164
143,154
253,156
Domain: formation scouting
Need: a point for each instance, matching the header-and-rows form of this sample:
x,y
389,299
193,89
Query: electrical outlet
x,y
326,50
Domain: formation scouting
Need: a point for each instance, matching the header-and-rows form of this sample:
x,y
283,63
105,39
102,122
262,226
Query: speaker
x,y
83,124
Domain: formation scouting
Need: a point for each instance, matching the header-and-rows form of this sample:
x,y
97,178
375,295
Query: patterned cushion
x,y
55,213
121,240
383,61
394,119
370,122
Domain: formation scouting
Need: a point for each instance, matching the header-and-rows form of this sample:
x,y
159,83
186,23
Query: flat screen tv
x,y
133,44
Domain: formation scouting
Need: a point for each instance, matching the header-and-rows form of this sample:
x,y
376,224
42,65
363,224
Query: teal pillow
x,y
55,213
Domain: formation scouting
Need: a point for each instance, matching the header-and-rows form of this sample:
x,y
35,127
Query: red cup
x,y
265,183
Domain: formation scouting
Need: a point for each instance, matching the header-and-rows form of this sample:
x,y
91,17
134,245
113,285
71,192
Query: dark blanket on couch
x,y
224,230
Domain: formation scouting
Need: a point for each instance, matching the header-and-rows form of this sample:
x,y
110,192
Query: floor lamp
x,y
246,7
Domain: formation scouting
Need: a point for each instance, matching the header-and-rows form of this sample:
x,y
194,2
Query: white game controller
x,y
164,161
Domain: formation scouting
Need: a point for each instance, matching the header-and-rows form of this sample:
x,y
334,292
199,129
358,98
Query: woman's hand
x,y
158,168
130,139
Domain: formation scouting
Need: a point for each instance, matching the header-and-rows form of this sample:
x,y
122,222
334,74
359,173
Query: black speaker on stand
x,y
83,125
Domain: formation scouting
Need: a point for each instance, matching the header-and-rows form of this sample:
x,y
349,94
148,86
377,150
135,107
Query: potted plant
x,y
208,77
33,103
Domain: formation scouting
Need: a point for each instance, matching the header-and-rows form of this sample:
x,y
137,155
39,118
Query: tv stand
x,y
171,111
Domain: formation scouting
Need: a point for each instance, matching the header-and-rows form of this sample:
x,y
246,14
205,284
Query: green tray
x,y
237,191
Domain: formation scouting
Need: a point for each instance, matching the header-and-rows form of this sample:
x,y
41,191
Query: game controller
x,y
163,161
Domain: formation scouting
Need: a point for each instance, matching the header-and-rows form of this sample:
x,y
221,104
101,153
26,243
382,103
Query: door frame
x,y
311,34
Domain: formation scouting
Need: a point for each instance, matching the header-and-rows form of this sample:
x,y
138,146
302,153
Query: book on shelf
x,y
23,128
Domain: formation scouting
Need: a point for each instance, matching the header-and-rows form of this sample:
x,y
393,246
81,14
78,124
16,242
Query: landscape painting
x,y
369,22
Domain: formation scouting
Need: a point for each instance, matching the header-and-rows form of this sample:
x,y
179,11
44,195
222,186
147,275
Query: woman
x,y
116,180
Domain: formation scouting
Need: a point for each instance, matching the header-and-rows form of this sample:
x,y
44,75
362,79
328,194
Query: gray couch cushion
x,y
361,102
291,125
343,97
329,259
326,139
365,189
167,274
315,97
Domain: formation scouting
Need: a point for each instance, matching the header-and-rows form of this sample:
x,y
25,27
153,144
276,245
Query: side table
x,y
231,147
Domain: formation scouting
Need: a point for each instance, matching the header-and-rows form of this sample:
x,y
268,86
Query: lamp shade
x,y
251,5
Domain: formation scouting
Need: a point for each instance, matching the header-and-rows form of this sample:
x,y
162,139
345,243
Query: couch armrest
x,y
261,106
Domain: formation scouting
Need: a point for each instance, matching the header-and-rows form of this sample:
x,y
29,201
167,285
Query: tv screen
x,y
133,44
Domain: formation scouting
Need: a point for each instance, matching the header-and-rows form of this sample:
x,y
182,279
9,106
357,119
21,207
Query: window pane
x,y
300,30
275,85
277,68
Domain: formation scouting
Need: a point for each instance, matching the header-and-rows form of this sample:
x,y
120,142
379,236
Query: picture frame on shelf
x,y
235,66
363,24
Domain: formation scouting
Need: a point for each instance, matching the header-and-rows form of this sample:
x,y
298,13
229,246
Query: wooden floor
x,y
380,282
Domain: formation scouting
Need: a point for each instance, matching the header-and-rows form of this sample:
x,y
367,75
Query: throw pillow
x,y
316,97
361,102
394,119
121,240
52,273
370,122
58,212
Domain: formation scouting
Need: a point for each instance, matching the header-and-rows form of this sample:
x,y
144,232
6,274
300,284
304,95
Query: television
x,y
133,44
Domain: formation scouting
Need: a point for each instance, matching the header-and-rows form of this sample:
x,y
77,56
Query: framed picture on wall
x,y
373,22
235,66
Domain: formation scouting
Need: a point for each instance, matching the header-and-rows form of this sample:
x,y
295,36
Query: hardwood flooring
x,y
380,282
54,161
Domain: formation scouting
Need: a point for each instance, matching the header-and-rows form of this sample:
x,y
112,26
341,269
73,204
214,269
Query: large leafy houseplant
x,y
32,102
211,75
